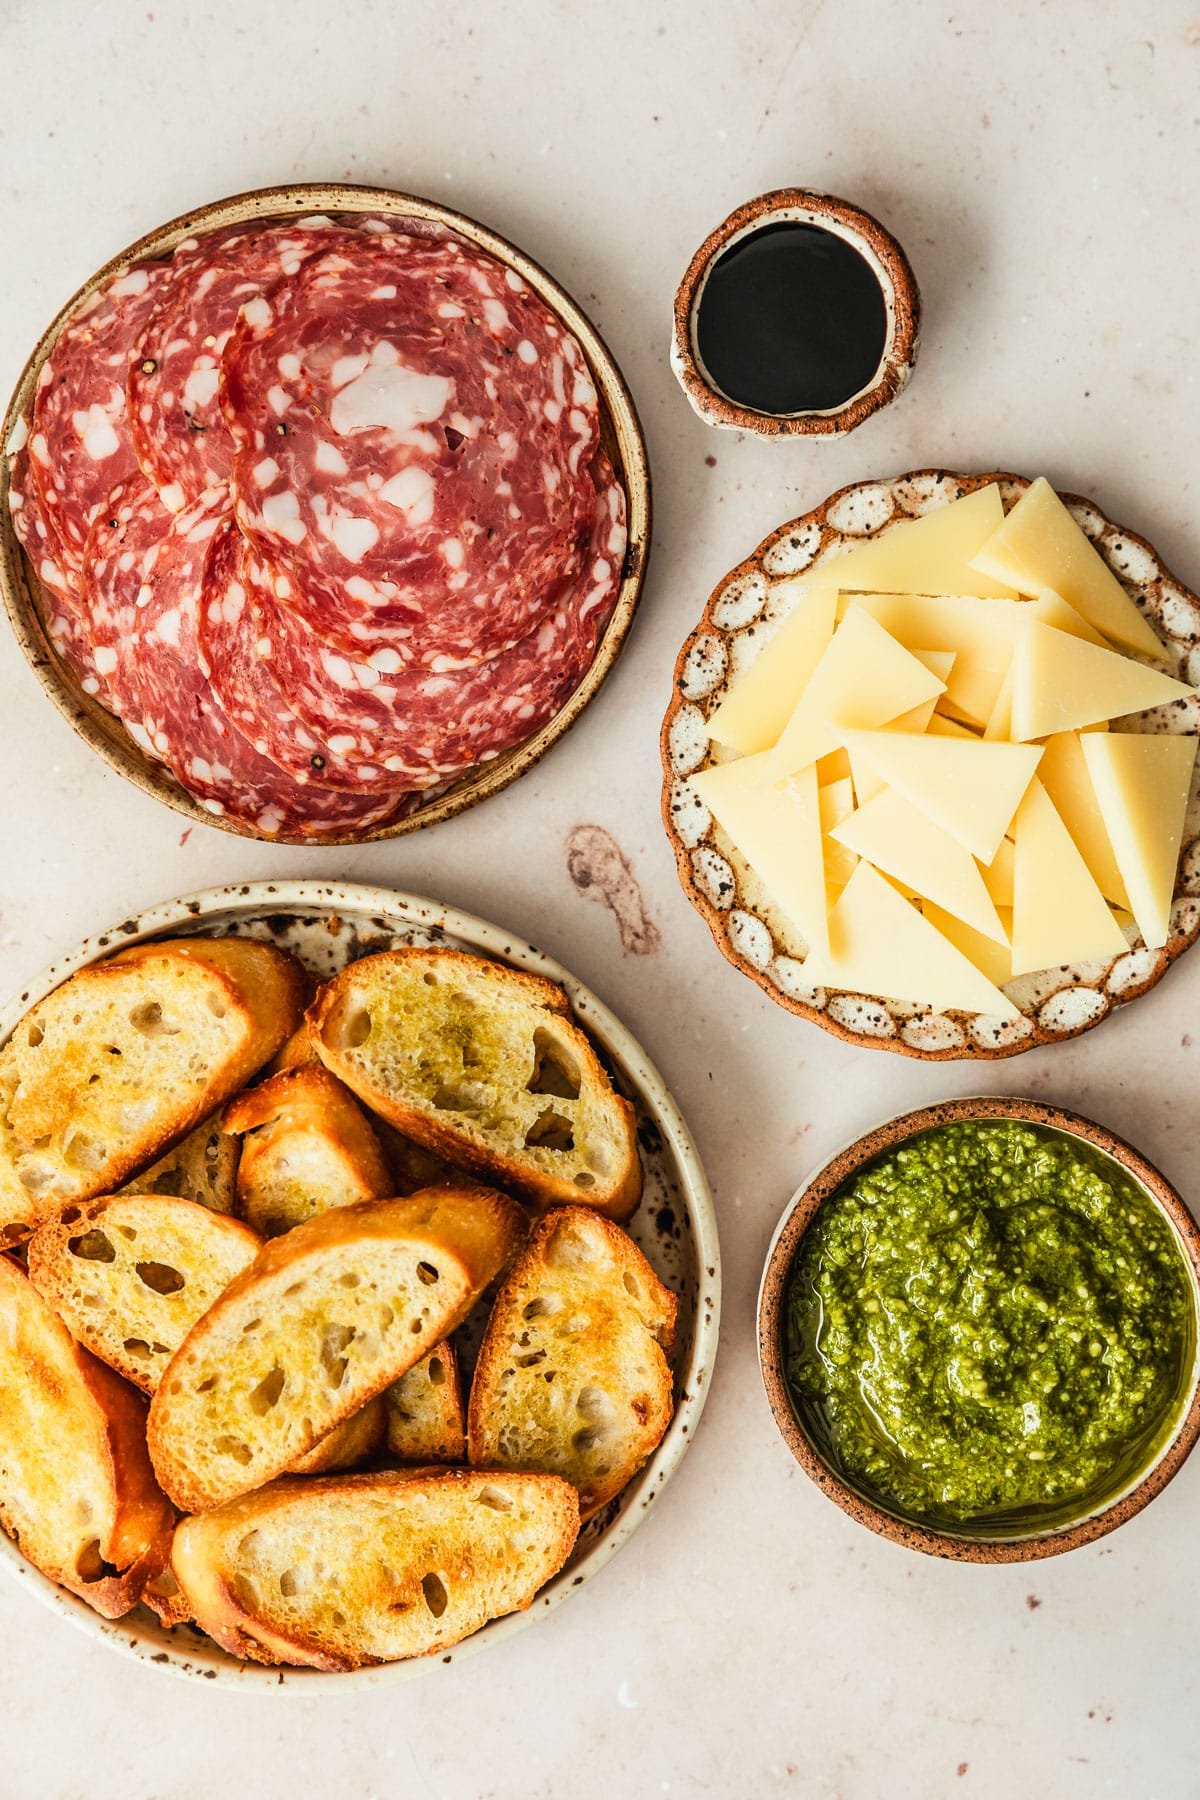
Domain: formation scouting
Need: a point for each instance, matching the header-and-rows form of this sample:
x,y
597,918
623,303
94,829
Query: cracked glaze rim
x,y
1055,1004
688,1249
621,436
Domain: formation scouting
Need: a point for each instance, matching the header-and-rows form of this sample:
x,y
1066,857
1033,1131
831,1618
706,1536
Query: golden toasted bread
x,y
572,1376
76,1488
131,1274
126,1058
483,1065
360,1436
324,1319
435,1556
306,1146
426,1420
202,1168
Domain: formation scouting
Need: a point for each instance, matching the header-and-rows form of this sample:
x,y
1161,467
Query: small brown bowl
x,y
621,435
772,1299
901,297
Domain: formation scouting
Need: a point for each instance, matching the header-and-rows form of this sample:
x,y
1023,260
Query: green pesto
x,y
992,1324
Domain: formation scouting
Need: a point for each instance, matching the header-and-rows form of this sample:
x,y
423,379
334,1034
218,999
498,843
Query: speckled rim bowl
x,y
742,612
675,1226
901,297
621,434
772,1316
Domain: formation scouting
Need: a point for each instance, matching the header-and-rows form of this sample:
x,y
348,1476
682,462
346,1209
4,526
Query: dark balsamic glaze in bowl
x,y
791,319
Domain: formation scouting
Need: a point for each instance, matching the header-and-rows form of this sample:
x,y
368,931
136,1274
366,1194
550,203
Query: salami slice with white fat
x,y
372,721
149,579
61,604
416,429
182,441
80,441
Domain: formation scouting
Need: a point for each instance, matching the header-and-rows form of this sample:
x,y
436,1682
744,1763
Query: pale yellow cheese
x,y
1143,785
941,662
931,554
1059,914
763,697
1051,609
1060,683
834,767
999,726
991,958
778,832
998,874
942,726
980,632
903,843
971,789
865,678
1063,772
881,945
836,802
1040,546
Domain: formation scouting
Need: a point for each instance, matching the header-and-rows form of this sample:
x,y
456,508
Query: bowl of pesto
x,y
978,1330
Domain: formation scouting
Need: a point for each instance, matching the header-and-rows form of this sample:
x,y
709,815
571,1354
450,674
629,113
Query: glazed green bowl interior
x,y
1142,1416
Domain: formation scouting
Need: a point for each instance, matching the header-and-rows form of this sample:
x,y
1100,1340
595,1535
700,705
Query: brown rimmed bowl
x,y
886,260
742,613
621,435
772,1318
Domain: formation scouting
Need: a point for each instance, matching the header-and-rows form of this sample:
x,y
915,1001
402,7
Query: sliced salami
x,y
80,439
387,723
415,430
58,587
152,585
180,435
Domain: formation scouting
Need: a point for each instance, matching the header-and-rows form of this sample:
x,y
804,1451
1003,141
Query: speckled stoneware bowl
x,y
742,613
901,298
772,1315
621,434
327,926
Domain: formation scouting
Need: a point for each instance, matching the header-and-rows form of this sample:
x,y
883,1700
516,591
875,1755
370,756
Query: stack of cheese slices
x,y
919,766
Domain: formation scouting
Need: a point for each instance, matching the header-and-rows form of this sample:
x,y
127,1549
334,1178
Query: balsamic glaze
x,y
791,320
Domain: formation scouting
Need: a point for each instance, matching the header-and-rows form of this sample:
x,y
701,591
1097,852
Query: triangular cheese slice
x,y
981,632
941,726
999,726
1051,609
991,958
1143,785
1063,772
998,874
778,832
881,945
1061,683
1059,914
864,678
903,843
763,697
836,802
931,554
971,789
1040,546
941,662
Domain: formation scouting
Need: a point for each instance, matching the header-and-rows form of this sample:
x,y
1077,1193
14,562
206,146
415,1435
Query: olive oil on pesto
x,y
791,319
992,1325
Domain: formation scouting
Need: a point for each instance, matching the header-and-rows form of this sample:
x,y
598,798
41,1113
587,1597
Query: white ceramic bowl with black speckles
x,y
327,925
742,614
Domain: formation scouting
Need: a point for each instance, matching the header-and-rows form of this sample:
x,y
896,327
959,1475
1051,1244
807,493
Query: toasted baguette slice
x,y
572,1375
343,1573
360,1436
322,1321
131,1275
126,1058
426,1419
306,1146
202,1168
485,1066
76,1488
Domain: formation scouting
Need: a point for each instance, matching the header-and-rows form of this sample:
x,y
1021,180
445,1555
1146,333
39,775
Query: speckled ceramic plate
x,y
621,434
741,616
327,926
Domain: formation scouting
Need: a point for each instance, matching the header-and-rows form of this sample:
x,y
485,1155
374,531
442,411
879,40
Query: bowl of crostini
x,y
930,765
360,1269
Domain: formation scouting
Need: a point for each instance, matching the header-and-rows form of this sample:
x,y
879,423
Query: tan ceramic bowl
x,y
328,925
621,433
897,283
745,607
772,1301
